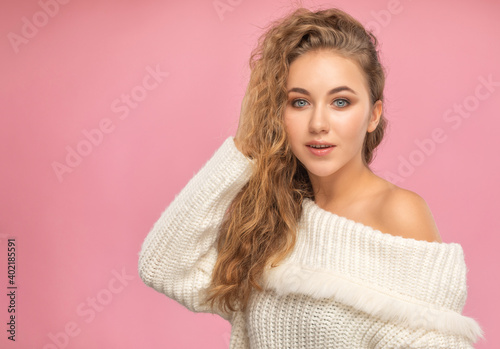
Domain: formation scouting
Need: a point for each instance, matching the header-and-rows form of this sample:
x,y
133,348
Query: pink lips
x,y
321,151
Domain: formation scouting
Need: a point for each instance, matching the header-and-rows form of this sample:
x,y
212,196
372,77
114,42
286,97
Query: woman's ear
x,y
375,116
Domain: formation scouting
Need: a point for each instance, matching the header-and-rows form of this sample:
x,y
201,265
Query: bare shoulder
x,y
405,213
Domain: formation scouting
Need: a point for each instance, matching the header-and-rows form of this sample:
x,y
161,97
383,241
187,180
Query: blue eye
x,y
302,103
344,103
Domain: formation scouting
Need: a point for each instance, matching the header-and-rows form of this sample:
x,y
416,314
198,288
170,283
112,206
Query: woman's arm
x,y
178,254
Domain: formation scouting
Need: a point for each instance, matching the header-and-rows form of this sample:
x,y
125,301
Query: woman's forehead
x,y
318,70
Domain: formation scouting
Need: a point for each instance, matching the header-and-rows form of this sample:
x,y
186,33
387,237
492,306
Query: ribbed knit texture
x,y
345,285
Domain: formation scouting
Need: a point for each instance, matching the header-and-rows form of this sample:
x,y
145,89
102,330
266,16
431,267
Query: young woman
x,y
287,233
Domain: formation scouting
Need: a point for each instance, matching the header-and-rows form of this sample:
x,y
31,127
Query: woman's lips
x,y
320,151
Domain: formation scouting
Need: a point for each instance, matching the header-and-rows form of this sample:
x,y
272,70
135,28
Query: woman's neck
x,y
344,187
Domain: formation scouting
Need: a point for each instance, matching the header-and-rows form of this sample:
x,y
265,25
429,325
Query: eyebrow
x,y
332,91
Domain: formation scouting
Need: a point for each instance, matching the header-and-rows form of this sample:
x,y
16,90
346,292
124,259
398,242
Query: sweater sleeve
x,y
438,340
178,255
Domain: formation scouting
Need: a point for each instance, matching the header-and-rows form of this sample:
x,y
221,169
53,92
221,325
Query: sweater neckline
x,y
310,207
398,279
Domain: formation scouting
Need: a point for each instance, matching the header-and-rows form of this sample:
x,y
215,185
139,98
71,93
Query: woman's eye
x,y
299,103
341,103
344,102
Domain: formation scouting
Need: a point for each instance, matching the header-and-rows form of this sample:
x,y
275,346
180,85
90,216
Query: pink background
x,y
75,232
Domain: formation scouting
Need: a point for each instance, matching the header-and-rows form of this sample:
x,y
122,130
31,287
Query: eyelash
x,y
338,99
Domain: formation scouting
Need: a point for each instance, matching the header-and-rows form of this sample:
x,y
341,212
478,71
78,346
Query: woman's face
x,y
328,103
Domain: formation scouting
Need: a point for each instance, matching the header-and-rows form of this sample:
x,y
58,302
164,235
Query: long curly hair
x,y
259,227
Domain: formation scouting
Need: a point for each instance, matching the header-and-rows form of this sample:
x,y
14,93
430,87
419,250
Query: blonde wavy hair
x,y
259,228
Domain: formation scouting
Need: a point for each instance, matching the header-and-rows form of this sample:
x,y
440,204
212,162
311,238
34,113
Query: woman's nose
x,y
319,121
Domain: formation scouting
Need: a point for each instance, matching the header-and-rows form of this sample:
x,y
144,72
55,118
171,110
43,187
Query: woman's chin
x,y
322,172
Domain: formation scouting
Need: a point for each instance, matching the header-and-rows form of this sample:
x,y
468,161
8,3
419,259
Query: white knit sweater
x,y
345,285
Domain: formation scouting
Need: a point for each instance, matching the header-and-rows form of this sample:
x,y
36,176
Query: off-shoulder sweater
x,y
344,285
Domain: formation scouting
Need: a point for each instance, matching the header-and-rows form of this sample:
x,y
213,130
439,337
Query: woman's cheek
x,y
351,128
